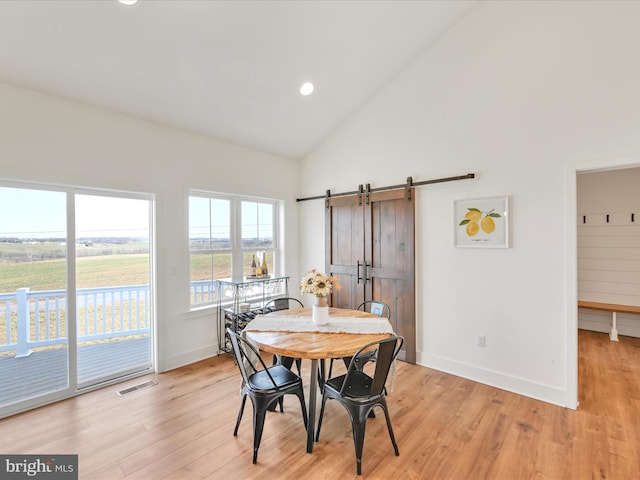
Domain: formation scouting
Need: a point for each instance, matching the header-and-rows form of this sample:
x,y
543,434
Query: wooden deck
x,y
46,370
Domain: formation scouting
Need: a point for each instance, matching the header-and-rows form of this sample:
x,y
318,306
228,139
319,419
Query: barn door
x,y
370,245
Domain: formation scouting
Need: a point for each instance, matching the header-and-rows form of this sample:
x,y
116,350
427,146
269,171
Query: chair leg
x,y
324,401
393,438
303,407
330,369
358,427
258,427
244,400
346,361
322,375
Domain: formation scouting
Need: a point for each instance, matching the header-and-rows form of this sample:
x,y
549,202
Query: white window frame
x,y
236,250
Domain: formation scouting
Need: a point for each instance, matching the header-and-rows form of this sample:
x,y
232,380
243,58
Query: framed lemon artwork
x,y
482,223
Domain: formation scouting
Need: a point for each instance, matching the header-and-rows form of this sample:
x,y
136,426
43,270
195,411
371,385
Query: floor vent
x,y
150,383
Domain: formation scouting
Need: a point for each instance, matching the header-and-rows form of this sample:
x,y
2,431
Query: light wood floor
x,y
447,428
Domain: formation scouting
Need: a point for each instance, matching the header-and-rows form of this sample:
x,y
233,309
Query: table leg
x,y
313,390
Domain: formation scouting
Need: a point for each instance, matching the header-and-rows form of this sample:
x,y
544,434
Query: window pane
x,y
209,223
249,224
220,223
257,225
248,257
265,225
205,268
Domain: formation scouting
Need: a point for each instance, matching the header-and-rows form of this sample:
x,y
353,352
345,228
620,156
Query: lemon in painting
x,y
473,215
488,225
472,228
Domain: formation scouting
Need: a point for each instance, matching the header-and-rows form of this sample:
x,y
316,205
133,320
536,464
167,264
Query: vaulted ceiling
x,y
227,69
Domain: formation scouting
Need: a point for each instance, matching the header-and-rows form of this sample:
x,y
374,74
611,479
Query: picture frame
x,y
482,222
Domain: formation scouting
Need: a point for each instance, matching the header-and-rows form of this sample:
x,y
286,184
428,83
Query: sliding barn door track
x,y
410,183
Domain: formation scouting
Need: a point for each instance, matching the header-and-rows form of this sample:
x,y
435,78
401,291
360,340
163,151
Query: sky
x,y
33,213
30,213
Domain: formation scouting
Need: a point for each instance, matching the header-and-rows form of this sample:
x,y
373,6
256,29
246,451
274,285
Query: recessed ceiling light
x,y
306,89
128,2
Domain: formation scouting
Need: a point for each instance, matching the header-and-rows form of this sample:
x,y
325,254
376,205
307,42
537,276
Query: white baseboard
x,y
510,383
186,358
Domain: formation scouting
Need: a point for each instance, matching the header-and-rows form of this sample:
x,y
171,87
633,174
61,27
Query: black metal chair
x,y
264,385
284,303
360,394
380,309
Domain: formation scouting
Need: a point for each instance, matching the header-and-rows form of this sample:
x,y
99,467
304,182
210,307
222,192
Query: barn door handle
x,y
366,277
358,271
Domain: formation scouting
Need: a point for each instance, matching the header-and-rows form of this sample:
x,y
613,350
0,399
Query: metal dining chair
x,y
284,303
360,393
377,308
265,386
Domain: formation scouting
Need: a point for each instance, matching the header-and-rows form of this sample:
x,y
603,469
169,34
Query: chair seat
x,y
282,376
359,385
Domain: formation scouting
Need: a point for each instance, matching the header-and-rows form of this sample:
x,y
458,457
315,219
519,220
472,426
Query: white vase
x,y
320,315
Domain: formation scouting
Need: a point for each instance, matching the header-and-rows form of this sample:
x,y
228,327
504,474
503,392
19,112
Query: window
x,y
225,234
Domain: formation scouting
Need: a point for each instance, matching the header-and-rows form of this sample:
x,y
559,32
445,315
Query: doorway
x,y
571,176
75,291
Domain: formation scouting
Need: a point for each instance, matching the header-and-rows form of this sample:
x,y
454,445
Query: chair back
x,y
283,303
386,352
248,358
379,309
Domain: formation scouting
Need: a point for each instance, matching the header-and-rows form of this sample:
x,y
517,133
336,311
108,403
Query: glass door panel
x,y
34,346
113,273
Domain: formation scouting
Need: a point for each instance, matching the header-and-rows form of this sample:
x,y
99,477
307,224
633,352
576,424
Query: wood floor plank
x,y
447,428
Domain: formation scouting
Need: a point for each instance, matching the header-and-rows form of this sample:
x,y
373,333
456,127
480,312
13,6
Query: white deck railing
x,y
38,319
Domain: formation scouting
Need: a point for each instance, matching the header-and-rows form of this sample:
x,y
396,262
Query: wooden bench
x,y
613,308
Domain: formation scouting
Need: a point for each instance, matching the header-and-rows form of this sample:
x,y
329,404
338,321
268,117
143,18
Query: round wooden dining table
x,y
314,346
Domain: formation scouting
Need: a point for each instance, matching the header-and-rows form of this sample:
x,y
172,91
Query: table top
x,y
315,345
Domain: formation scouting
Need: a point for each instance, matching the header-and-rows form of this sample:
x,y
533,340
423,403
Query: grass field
x,y
107,271
94,270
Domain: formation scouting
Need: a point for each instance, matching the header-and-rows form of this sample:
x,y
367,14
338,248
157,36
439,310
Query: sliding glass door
x,y
34,321
113,275
75,291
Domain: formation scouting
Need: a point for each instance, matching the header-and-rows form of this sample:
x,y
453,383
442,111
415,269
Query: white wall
x,y
45,139
523,94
